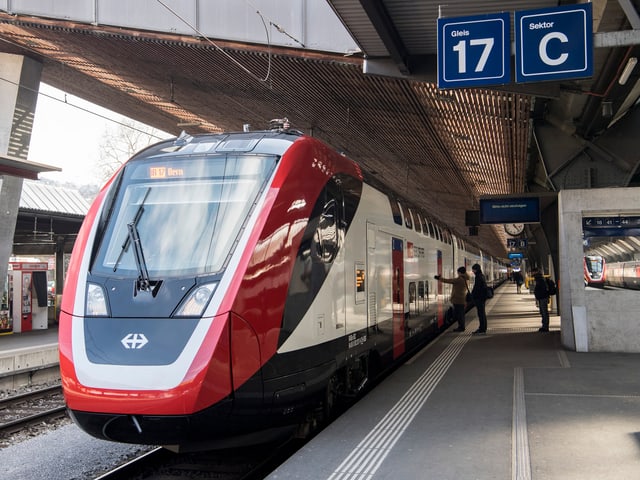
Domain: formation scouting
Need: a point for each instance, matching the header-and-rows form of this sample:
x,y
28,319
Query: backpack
x,y
551,287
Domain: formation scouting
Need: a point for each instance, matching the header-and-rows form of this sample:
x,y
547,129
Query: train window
x,y
426,295
408,222
425,226
414,218
326,239
207,199
418,222
413,299
421,297
395,211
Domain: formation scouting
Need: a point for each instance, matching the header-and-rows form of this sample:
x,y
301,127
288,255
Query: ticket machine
x,y
28,295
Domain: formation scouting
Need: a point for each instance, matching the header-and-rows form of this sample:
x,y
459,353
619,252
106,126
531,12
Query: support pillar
x,y
19,84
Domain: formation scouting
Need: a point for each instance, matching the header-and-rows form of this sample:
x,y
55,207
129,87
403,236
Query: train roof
x,y
275,141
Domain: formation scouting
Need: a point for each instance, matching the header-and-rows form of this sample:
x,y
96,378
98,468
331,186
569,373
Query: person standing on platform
x,y
541,292
479,294
517,278
458,295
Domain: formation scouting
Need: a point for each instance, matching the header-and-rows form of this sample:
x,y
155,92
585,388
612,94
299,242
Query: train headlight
x,y
197,301
96,305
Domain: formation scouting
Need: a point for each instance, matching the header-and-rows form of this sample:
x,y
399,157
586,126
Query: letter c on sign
x,y
542,49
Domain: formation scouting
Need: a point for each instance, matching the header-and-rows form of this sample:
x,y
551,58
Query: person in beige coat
x,y
458,295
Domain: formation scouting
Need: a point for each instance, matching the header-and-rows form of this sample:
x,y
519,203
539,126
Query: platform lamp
x,y
628,68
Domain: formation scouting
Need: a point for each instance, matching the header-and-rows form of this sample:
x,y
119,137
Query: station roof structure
x,y
19,167
441,150
49,216
39,197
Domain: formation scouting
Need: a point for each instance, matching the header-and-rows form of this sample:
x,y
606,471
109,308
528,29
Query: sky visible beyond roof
x,y
67,133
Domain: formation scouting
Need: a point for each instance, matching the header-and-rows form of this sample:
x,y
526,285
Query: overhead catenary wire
x,y
221,50
278,27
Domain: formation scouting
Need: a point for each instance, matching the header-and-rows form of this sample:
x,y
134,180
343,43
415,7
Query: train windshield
x,y
594,264
177,216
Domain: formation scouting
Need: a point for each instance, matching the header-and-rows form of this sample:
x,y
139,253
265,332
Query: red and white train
x,y
624,275
595,270
228,287
600,273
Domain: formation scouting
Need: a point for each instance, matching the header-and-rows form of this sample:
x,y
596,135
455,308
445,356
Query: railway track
x,y
249,463
22,411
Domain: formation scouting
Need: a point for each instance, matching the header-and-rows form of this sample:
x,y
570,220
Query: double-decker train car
x,y
624,274
230,287
595,269
495,271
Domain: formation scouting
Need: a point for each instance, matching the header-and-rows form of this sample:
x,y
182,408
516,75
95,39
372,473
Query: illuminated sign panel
x,y
360,283
614,226
165,172
510,210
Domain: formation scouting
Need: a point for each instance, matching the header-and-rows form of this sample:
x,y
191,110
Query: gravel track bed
x,y
59,450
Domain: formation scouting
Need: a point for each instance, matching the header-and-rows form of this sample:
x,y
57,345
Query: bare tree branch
x,y
120,143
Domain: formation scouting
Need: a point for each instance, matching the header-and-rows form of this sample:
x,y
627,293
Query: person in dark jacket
x,y
541,292
517,278
479,294
458,295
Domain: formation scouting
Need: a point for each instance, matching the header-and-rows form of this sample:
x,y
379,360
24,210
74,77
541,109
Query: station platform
x,y
24,354
511,404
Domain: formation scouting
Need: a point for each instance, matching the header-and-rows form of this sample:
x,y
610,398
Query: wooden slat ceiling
x,y
440,150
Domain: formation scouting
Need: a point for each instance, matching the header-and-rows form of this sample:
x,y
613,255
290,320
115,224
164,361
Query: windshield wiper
x,y
143,283
136,219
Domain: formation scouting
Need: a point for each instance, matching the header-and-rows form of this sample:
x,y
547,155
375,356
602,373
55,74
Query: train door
x,y
397,265
385,288
379,299
440,290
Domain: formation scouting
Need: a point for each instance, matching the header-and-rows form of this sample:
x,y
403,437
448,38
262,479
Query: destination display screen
x,y
224,166
156,172
510,210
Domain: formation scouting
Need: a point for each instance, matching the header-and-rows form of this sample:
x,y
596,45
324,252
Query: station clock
x,y
514,229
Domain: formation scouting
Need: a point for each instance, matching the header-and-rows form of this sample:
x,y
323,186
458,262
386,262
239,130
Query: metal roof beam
x,y
18,167
384,26
424,69
622,38
630,12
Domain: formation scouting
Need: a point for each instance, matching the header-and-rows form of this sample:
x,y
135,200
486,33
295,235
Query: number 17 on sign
x,y
473,51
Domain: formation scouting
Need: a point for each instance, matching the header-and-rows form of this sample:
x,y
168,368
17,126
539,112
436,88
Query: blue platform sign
x,y
554,43
517,243
474,51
